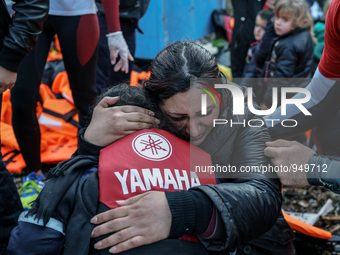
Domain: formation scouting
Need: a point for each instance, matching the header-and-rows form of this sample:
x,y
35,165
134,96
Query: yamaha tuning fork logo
x,y
152,146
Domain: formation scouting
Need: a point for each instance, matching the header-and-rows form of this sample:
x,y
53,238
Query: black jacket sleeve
x,y
23,31
284,68
324,171
249,204
86,148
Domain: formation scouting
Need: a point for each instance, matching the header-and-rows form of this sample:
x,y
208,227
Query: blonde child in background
x,y
291,53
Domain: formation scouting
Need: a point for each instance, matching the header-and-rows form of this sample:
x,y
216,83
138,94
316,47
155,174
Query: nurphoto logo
x,y
238,102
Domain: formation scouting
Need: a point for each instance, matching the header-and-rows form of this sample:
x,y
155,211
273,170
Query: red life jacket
x,y
147,160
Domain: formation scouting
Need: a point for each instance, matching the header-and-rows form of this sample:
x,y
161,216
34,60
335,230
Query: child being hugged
x,y
291,53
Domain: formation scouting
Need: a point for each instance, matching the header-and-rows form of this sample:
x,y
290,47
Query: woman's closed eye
x,y
178,119
199,114
208,113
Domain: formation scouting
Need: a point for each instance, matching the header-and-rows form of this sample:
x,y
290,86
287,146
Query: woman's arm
x,y
250,203
248,206
111,11
326,172
116,41
108,124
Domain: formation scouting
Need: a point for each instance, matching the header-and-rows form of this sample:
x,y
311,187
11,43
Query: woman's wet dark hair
x,y
136,96
174,66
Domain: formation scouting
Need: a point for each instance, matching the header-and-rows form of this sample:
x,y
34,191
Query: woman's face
x,y
184,109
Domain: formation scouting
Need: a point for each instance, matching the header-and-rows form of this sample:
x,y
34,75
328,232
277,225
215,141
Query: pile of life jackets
x,y
58,121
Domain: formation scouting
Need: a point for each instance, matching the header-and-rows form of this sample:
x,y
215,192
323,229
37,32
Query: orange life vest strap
x,y
306,228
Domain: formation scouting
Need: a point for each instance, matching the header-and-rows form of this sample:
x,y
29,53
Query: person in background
x,y
76,25
324,107
291,53
245,12
261,54
319,34
18,36
260,25
259,57
316,11
130,12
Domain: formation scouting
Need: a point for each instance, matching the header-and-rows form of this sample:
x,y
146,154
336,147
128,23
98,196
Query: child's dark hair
x,y
136,96
264,14
130,95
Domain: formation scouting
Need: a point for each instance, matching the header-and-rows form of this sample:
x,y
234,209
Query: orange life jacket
x,y
58,121
306,228
136,78
12,159
55,54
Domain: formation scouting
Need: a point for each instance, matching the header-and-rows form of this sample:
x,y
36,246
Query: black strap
x,y
11,158
67,116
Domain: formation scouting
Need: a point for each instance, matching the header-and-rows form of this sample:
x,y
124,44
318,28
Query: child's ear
x,y
303,23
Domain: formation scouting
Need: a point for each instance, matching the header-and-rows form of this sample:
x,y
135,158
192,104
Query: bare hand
x,y
286,153
108,124
7,79
140,220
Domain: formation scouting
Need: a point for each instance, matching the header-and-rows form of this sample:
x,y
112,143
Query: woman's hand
x,y
108,124
139,220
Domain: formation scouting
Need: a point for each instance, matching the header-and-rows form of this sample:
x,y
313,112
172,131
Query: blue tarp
x,y
167,21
